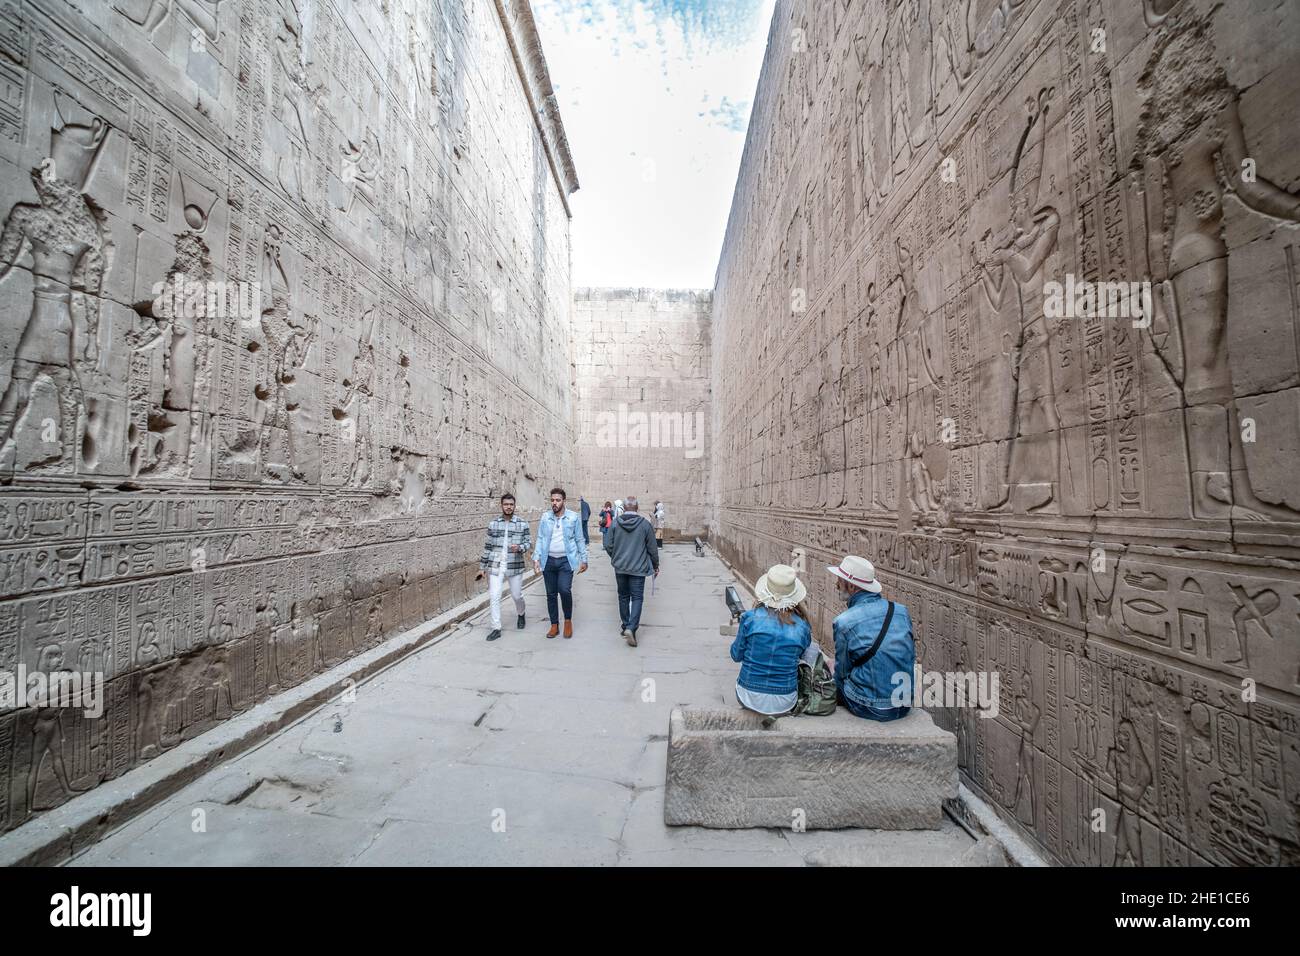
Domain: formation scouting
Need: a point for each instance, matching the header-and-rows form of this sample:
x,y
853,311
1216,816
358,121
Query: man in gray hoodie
x,y
634,554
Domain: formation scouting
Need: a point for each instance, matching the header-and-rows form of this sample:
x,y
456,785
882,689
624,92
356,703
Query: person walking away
x,y
606,525
659,523
770,642
634,555
873,644
559,541
504,548
584,512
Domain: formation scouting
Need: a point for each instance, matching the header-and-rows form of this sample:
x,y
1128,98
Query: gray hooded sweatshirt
x,y
632,547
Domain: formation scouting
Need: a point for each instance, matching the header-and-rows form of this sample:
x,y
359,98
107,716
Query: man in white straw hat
x,y
771,640
873,644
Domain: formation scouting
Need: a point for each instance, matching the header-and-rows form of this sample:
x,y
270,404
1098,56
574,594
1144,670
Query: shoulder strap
x,y
870,652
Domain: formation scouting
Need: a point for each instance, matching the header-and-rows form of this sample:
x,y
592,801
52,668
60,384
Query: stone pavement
x,y
525,751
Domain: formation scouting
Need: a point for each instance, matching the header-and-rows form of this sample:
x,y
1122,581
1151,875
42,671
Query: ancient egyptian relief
x,y
642,374
252,419
1096,508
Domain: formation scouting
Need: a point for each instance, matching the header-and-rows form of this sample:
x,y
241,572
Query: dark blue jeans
x,y
631,592
559,584
872,713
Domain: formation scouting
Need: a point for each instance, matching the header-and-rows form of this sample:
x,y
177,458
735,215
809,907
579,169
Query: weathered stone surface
x,y
208,498
726,770
642,370
1103,513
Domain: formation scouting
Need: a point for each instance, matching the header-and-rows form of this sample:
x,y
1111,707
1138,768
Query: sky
x,y
655,98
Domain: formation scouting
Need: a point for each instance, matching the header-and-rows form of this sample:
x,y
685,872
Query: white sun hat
x,y
857,571
780,589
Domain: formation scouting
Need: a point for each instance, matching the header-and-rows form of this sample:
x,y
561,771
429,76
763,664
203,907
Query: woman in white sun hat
x,y
771,640
873,645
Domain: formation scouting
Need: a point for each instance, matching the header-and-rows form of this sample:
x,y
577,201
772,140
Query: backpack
x,y
816,689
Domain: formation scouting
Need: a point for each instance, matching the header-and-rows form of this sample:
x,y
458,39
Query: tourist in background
x,y
560,544
606,524
504,548
634,554
659,523
771,640
873,643
584,512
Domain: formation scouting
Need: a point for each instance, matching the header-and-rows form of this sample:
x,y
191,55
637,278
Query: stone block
x,y
726,770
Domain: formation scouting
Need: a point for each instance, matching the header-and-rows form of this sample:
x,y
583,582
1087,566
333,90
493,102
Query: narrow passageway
x,y
524,751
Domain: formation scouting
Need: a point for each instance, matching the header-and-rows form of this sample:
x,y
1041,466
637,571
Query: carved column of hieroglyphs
x,y
1100,507
641,369
284,308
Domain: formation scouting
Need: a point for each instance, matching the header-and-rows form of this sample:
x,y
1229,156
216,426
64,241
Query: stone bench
x,y
726,771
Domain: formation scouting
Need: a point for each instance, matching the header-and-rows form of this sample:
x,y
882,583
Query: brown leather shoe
x,y
568,629
555,629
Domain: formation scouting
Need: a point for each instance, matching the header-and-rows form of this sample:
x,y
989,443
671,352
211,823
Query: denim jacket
x,y
768,651
574,547
872,684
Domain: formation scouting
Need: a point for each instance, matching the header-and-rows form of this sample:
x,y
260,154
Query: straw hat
x,y
857,571
780,589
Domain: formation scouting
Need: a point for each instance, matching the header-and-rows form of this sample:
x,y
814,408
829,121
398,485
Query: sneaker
x,y
520,623
555,630
630,637
622,630
496,632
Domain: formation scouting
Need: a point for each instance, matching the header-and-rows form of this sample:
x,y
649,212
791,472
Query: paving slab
x,y
556,734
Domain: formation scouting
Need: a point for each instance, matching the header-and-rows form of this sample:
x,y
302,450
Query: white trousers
x,y
496,582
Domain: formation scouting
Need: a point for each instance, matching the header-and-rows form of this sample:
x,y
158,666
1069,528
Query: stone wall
x,y
207,500
641,360
1101,509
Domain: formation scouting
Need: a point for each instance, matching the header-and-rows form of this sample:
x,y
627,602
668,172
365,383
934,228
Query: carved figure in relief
x,y
47,732
362,164
178,422
1194,145
287,336
202,13
67,237
298,96
1032,466
1128,765
921,491
1026,716
354,410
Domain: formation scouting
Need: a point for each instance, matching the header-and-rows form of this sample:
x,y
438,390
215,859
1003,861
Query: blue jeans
x,y
631,592
559,584
872,713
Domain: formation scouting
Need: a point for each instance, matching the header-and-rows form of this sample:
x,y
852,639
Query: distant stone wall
x,y
1102,510
211,495
641,361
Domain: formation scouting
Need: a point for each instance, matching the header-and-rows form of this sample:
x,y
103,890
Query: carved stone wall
x,y
642,367
208,500
1106,514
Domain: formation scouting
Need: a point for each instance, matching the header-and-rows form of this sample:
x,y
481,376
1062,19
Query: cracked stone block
x,y
726,770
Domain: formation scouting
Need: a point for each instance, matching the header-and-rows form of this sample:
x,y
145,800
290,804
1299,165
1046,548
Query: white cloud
x,y
655,99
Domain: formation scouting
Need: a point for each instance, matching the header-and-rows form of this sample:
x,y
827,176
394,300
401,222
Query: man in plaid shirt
x,y
508,540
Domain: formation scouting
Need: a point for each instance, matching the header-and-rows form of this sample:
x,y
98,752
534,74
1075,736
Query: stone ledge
x,y
60,833
726,771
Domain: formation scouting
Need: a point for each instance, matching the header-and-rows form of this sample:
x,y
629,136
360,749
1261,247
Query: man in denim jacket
x,y
867,681
559,554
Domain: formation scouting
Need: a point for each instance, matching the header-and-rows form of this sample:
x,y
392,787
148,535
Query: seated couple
x,y
873,642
